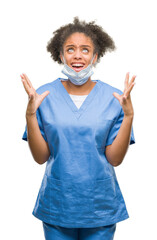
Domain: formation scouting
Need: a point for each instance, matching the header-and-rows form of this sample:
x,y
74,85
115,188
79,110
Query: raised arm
x,y
38,146
116,151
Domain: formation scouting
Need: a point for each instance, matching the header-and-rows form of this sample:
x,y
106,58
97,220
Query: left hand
x,y
125,98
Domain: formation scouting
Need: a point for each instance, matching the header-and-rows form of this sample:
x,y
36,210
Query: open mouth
x,y
77,66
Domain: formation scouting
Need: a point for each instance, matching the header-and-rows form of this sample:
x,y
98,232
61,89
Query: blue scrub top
x,y
79,188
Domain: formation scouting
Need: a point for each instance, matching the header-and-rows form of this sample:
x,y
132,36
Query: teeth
x,y
77,65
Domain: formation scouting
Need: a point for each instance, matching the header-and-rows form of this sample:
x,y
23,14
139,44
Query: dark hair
x,y
101,40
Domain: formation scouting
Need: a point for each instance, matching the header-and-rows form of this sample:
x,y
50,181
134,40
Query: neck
x,y
79,89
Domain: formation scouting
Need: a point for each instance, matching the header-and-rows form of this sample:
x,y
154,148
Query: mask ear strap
x,y
93,58
63,59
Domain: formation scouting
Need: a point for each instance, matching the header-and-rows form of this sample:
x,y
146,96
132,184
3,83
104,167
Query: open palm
x,y
125,98
34,98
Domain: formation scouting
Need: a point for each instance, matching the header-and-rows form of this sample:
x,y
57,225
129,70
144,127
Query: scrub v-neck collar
x,y
71,104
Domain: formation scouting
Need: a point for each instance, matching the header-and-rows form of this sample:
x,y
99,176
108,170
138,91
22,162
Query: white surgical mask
x,y
78,78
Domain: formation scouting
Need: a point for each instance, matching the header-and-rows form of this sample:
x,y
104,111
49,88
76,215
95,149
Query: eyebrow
x,y
80,46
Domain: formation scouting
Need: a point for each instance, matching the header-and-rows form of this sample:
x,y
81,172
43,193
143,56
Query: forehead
x,y
78,39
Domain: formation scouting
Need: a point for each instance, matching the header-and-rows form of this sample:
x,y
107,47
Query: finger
x,y
23,77
126,80
129,84
27,79
128,91
27,88
133,79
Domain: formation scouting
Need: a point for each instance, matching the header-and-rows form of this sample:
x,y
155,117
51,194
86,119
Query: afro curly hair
x,y
101,40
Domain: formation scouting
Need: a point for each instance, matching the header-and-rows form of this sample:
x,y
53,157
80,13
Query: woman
x,y
82,128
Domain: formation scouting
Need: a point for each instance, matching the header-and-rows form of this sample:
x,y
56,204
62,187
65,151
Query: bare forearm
x,y
38,146
115,153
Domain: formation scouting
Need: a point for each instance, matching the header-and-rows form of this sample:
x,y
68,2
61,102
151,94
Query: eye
x,y
85,50
70,50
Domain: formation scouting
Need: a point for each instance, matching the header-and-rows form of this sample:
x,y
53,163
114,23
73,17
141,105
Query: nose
x,y
77,54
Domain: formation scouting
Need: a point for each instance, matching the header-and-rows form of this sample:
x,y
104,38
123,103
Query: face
x,y
78,51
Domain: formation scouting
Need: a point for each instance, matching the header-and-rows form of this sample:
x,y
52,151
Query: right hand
x,y
34,98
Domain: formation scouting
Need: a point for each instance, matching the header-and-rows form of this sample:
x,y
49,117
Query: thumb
x,y
116,95
44,95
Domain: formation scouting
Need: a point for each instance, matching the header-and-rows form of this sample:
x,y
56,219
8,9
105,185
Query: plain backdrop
x,y
25,29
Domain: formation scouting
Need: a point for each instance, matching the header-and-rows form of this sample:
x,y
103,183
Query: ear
x,y
95,58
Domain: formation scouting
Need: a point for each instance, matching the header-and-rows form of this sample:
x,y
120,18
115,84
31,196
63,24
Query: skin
x,y
78,48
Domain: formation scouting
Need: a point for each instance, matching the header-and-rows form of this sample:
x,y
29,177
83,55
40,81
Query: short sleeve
x,y
115,128
39,119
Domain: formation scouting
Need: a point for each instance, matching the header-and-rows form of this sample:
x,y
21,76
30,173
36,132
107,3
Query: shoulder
x,y
108,89
111,103
47,87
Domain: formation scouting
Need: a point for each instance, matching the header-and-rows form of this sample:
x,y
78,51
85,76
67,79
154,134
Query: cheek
x,y
89,57
67,58
88,60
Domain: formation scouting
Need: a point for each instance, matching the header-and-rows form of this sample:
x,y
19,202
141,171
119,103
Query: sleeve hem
x,y
132,141
24,138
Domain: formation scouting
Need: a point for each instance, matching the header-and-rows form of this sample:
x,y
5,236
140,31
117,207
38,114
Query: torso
x,y
79,187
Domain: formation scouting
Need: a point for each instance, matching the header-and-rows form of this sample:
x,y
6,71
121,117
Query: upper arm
x,y
115,129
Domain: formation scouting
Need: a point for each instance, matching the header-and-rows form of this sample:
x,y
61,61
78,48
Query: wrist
x,y
30,115
129,116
